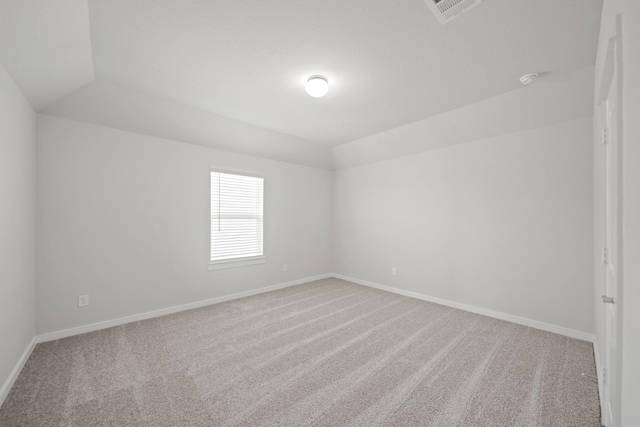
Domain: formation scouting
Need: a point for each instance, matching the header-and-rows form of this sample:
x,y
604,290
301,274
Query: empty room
x,y
337,213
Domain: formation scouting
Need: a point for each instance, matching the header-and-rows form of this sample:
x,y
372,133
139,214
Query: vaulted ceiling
x,y
389,63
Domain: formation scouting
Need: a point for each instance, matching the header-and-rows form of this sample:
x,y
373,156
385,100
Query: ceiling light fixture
x,y
317,86
528,78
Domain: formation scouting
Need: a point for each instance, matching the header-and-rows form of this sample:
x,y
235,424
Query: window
x,y
236,219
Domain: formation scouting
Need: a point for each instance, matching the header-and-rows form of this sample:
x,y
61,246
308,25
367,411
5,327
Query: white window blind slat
x,y
236,216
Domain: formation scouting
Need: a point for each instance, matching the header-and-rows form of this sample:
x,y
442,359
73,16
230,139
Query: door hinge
x,y
605,256
604,136
608,300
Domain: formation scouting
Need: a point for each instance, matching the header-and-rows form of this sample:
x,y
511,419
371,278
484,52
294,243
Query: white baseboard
x,y
51,336
6,387
572,333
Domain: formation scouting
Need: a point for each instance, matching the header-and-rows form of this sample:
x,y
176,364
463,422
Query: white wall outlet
x,y
285,267
393,271
83,300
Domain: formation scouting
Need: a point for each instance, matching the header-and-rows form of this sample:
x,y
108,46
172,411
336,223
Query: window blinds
x,y
236,216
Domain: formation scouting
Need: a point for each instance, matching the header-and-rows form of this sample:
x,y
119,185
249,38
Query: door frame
x,y
612,70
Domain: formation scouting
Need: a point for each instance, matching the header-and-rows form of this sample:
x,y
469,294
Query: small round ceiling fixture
x,y
528,78
317,86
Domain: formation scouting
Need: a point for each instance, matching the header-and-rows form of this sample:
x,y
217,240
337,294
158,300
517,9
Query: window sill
x,y
238,262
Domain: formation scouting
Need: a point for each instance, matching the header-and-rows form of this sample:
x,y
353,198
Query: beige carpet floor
x,y
326,353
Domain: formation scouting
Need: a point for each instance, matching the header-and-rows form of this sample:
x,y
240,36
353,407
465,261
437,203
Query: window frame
x,y
240,261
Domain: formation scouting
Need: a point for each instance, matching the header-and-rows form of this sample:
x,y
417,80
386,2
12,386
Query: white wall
x,y
503,223
17,225
631,213
124,218
629,294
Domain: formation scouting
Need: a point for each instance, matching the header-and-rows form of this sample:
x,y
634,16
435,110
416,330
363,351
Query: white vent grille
x,y
446,10
445,5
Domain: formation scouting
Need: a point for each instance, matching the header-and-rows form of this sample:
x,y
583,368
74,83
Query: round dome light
x,y
317,86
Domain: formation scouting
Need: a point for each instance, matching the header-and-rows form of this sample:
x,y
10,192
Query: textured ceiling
x,y
388,62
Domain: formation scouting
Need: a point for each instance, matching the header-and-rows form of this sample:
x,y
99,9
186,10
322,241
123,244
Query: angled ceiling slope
x,y
106,104
245,63
46,47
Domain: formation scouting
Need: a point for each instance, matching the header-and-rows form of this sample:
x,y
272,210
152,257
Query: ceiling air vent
x,y
446,10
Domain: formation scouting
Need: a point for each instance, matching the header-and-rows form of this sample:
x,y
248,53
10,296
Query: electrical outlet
x,y
83,300
393,271
285,267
